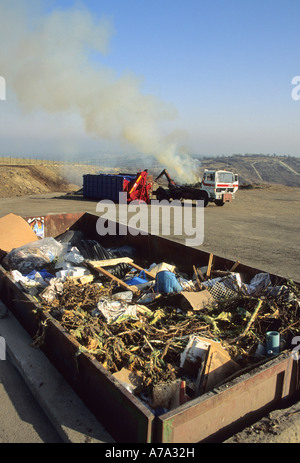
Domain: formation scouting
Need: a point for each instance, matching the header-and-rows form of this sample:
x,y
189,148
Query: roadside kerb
x,y
67,413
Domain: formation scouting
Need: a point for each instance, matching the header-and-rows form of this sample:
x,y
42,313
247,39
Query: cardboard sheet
x,y
197,300
14,232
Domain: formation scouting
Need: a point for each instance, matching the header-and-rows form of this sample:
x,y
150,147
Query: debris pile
x,y
166,336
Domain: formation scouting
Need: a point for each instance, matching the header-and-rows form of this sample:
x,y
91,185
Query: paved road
x,y
37,403
260,227
21,418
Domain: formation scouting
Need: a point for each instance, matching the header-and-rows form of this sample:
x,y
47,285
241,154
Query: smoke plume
x,y
46,60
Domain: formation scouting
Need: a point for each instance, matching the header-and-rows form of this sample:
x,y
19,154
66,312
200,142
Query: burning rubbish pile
x,y
166,336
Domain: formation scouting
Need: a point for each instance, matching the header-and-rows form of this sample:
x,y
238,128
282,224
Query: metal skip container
x,y
213,416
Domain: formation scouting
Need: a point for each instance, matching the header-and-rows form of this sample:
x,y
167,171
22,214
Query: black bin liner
x,y
92,250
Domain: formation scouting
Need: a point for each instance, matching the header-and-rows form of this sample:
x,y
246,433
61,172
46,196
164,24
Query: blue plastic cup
x,y
272,342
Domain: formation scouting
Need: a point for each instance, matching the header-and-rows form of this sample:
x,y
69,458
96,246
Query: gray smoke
x,y
46,62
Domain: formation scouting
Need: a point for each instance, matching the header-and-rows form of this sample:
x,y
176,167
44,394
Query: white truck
x,y
217,186
220,185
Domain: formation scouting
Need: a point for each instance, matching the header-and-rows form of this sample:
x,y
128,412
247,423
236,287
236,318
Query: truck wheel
x,y
219,202
161,194
204,197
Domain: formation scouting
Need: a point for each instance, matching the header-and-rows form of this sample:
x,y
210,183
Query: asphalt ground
x,y
259,228
22,420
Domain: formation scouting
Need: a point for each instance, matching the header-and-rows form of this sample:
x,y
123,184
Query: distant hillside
x,y
21,176
284,170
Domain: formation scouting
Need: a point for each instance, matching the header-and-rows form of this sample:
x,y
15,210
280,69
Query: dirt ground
x,y
25,179
17,181
259,228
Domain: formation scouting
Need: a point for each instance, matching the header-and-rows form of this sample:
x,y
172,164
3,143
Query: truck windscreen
x,y
225,177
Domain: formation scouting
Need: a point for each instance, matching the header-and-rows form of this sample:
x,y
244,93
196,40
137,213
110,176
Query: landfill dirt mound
x,y
25,180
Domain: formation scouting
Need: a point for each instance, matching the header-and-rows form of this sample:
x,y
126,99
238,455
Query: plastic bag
x,y
70,271
32,284
54,289
92,250
33,256
259,283
74,256
147,298
138,280
115,311
123,251
71,237
123,295
43,273
187,285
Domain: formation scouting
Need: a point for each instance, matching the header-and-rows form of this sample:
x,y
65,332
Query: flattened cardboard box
x,y
14,232
197,300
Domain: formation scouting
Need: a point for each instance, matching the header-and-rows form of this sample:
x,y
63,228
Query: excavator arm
x,y
166,173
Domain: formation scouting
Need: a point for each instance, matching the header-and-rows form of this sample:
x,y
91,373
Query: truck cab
x,y
220,185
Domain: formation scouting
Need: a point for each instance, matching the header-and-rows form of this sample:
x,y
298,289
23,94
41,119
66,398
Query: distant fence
x,y
13,161
72,170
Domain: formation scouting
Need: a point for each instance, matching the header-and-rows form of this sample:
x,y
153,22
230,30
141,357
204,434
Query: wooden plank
x,y
82,280
143,270
99,269
235,266
210,261
199,272
114,261
220,273
121,260
197,278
